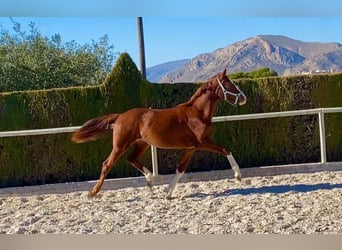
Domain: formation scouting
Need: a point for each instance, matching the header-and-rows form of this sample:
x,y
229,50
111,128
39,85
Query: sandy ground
x,y
298,203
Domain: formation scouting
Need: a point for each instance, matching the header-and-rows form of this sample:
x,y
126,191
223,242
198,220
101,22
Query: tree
x,y
262,72
32,61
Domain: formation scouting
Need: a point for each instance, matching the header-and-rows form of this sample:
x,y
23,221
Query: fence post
x,y
322,136
154,160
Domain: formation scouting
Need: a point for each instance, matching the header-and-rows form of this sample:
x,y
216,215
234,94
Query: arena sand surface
x,y
295,204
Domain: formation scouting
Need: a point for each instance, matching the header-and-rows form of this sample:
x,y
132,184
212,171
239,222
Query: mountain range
x,y
284,55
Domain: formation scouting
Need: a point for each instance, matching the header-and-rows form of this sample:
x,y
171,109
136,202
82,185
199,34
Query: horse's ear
x,y
224,72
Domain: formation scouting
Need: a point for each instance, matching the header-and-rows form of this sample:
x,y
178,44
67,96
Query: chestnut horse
x,y
186,126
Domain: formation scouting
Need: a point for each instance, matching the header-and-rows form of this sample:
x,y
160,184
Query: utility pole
x,y
141,47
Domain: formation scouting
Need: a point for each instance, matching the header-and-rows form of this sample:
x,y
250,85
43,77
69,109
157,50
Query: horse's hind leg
x,y
180,170
106,167
134,157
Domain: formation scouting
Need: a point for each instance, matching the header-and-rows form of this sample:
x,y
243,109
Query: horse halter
x,y
227,92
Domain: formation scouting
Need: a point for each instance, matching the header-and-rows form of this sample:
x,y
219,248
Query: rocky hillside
x,y
284,55
156,73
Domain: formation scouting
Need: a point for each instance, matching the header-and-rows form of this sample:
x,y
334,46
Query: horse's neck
x,y
206,104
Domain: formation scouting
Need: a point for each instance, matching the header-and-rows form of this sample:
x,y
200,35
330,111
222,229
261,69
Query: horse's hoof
x,y
168,196
238,176
91,195
150,187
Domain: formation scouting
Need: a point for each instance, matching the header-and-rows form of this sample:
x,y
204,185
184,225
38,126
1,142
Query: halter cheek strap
x,y
227,92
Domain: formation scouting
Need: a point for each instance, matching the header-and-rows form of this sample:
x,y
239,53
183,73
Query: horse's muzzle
x,y
242,100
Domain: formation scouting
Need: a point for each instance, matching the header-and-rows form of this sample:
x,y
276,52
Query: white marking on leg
x,y
234,166
149,178
173,184
148,175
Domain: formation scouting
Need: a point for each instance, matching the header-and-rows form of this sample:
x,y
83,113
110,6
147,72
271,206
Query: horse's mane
x,y
199,92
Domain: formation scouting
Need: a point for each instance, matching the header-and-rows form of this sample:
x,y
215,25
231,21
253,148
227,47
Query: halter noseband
x,y
225,92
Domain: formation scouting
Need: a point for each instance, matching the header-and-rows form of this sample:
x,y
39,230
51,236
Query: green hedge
x,y
54,158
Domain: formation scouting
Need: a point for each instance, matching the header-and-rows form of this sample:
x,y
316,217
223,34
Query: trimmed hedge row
x,y
54,158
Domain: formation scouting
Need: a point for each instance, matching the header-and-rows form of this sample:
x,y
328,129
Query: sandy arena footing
x,y
305,203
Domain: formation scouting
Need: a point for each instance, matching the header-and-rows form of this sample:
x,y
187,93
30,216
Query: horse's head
x,y
227,90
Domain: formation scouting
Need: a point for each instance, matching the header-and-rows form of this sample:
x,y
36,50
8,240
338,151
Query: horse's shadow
x,y
281,189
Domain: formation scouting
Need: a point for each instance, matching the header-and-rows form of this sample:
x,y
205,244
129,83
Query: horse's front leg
x,y
183,164
234,166
209,146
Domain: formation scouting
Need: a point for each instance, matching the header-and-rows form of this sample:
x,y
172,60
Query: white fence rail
x,y
318,111
45,131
